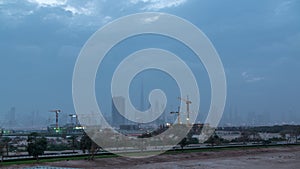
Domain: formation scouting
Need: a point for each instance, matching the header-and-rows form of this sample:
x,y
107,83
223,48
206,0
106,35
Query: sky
x,y
258,42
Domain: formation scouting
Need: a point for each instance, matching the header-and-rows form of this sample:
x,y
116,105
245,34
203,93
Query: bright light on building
x,y
79,128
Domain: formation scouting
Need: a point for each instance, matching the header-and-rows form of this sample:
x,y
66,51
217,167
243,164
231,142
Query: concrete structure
x,y
117,118
228,135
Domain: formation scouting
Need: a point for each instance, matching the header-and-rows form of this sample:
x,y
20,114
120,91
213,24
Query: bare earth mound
x,y
258,158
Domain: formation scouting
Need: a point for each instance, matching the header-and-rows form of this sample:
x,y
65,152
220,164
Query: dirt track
x,y
259,158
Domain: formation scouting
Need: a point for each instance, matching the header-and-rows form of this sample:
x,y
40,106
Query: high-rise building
x,y
142,97
117,118
11,121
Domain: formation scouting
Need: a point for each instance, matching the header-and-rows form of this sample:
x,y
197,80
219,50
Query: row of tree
x,y
38,144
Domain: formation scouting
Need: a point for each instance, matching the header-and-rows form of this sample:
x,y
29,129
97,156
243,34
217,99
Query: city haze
x,y
258,43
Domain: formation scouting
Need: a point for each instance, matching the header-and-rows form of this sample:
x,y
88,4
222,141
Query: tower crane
x,y
178,114
187,102
56,117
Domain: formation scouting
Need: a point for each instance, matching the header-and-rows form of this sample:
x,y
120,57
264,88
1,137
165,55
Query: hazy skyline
x,y
258,43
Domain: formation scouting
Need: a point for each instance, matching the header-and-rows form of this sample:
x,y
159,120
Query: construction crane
x,y
56,117
178,115
187,102
73,116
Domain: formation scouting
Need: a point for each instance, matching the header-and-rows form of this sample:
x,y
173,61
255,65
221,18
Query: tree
x,y
86,143
36,145
1,151
5,141
74,142
183,143
93,150
1,145
214,140
245,137
297,134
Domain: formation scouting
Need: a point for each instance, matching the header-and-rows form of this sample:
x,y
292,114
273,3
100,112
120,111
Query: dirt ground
x,y
258,158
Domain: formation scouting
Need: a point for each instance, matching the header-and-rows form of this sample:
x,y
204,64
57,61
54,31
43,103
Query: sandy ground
x,y
260,158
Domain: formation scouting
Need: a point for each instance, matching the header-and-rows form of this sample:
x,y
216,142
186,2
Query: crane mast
x,y
178,115
56,117
187,102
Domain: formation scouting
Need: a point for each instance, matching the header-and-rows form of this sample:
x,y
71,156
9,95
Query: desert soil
x,y
258,158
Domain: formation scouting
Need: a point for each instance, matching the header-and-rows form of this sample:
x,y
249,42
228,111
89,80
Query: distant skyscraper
x,y
142,97
117,118
11,119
